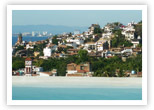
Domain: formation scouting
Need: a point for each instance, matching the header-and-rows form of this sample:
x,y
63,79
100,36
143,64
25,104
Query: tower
x,y
19,39
28,66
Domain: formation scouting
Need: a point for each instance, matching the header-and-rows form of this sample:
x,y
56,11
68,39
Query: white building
x,y
90,46
33,33
47,52
45,73
135,43
29,46
128,32
78,40
53,47
106,35
127,50
37,70
44,33
72,44
76,32
13,50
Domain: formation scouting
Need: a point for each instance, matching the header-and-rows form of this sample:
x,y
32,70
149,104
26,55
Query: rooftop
x,y
28,59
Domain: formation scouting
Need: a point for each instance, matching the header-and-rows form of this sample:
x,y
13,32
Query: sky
x,y
74,17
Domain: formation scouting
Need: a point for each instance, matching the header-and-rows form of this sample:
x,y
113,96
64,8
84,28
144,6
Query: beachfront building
x,y
83,69
28,66
50,73
45,73
37,70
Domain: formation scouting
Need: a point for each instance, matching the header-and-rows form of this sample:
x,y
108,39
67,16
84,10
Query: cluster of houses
x,y
70,44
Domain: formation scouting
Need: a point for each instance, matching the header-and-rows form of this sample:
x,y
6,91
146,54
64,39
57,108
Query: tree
x,y
83,55
40,47
55,40
70,34
119,40
61,70
97,30
19,48
39,62
138,29
17,65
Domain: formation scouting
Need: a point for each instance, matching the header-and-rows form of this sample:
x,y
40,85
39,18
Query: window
x,y
81,67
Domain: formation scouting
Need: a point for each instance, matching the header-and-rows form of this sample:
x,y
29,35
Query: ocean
x,y
49,93
28,38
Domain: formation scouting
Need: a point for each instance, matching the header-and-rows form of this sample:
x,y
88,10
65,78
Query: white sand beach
x,y
23,81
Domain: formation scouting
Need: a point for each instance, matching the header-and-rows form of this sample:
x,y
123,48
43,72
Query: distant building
x,y
76,32
26,34
33,34
44,33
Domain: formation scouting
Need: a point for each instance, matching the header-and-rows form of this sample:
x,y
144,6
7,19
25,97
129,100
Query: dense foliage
x,y
19,48
138,29
40,47
119,40
101,67
17,63
54,40
97,30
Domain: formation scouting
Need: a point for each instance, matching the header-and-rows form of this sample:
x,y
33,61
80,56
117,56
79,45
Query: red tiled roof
x,y
109,56
28,59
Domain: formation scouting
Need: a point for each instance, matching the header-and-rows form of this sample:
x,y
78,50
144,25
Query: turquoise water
x,y
38,93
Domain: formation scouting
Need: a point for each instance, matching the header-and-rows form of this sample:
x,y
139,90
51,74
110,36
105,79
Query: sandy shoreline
x,y
98,82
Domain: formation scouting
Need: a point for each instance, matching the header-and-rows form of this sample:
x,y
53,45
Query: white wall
x,y
43,74
71,71
47,52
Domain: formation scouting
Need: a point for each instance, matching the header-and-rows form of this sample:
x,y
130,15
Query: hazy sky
x,y
74,17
